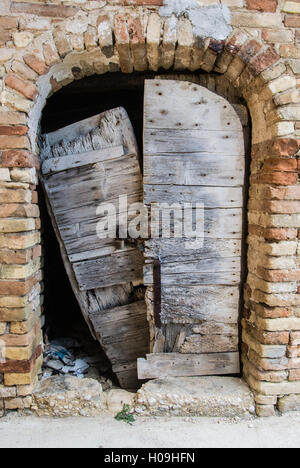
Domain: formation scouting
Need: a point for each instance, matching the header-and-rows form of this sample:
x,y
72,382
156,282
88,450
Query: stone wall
x,y
45,45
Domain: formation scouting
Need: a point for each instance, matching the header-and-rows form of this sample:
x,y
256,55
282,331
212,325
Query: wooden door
x,y
84,165
194,152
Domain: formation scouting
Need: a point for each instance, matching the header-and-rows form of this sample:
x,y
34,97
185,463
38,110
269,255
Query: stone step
x,y
195,396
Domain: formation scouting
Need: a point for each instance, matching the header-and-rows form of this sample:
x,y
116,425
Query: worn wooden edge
x,y
77,129
73,161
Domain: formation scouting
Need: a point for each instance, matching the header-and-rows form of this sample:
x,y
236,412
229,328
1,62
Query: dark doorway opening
x,y
75,102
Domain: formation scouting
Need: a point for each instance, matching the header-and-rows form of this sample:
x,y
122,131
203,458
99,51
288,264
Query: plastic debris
x,y
66,356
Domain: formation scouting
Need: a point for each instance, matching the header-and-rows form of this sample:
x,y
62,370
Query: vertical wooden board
x,y
181,104
194,152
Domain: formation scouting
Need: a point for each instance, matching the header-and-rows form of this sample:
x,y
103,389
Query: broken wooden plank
x,y
102,276
115,128
124,334
180,365
82,159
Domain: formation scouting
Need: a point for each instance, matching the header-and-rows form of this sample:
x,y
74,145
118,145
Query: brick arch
x,y
255,69
124,46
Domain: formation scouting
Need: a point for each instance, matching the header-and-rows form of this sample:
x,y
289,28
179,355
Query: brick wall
x,y
46,45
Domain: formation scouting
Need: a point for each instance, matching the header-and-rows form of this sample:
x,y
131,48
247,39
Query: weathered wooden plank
x,y
217,223
111,316
183,104
180,365
88,211
199,271
120,267
79,187
193,141
194,169
194,153
182,304
211,197
179,250
82,159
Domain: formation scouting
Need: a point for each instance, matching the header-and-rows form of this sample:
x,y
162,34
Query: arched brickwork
x,y
80,44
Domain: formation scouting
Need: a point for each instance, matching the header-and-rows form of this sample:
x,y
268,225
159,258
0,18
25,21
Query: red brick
x,y
55,85
282,207
250,50
276,164
273,234
272,312
279,178
292,21
51,56
54,11
278,276
28,90
18,288
262,5
135,31
294,375
13,130
36,64
235,43
8,22
289,51
280,234
36,252
20,367
5,35
22,70
14,141
140,2
264,60
293,351
18,257
269,338
18,210
286,146
13,340
17,158
34,197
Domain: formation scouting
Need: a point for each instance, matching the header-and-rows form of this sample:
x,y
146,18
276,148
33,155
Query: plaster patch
x,y
209,21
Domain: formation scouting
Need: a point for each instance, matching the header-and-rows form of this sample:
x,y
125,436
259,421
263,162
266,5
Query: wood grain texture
x,y
194,152
86,164
180,365
82,159
183,104
120,267
124,334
